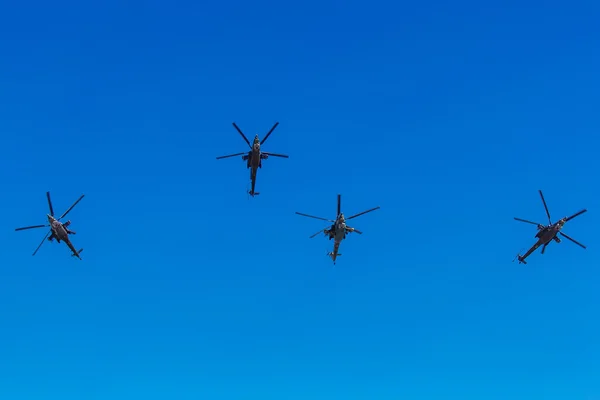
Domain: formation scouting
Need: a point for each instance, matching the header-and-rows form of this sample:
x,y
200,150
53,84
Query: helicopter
x,y
58,230
548,233
339,229
255,156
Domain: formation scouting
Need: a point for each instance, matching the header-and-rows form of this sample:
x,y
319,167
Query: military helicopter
x,y
255,156
339,229
547,233
58,230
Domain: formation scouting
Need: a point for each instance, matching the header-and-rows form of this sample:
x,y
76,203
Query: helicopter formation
x,y
336,232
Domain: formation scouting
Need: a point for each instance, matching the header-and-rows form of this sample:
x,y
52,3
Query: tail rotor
x,y
518,257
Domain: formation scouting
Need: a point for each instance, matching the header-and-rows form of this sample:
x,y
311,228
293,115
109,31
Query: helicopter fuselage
x,y
254,162
254,157
545,235
549,233
59,232
337,232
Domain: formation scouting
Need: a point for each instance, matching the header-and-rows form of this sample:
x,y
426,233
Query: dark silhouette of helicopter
x,y
339,229
58,230
255,156
548,233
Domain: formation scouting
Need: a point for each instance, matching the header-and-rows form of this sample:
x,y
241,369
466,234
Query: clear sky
x,y
448,115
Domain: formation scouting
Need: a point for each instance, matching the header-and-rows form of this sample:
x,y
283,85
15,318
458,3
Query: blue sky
x,y
450,117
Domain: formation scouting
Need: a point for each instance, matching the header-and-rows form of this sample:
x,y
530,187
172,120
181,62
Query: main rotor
x,y
561,221
256,143
339,216
256,139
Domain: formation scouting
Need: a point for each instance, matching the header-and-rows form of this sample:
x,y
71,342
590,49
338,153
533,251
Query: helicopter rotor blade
x,y
70,208
242,133
42,242
50,204
575,215
269,133
572,240
276,155
32,227
339,204
231,155
320,231
364,212
546,207
529,222
312,216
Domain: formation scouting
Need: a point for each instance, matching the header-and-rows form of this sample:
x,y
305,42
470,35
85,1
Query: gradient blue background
x,y
449,115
